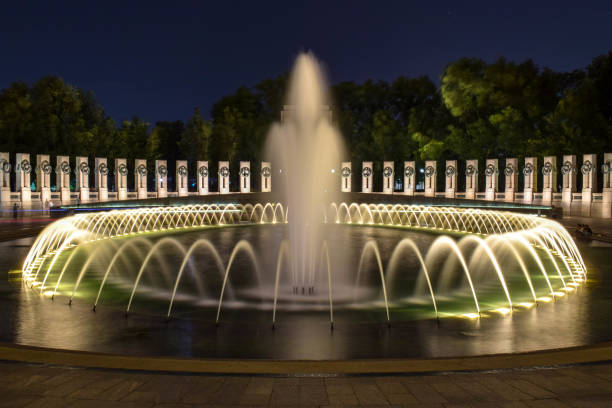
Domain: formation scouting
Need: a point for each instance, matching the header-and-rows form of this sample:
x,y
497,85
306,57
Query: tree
x,y
195,140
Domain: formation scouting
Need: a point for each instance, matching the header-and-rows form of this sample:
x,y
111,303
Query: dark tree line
x,y
480,110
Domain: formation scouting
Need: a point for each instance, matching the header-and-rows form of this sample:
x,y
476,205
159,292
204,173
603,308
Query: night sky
x,y
159,62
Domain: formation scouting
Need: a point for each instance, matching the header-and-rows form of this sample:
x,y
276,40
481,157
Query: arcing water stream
x,y
515,259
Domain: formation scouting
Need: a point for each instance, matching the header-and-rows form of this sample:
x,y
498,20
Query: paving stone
x,y
369,394
425,393
343,399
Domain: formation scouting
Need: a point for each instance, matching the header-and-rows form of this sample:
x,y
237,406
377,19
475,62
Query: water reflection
x,y
583,317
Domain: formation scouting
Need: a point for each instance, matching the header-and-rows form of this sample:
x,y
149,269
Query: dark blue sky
x,y
159,61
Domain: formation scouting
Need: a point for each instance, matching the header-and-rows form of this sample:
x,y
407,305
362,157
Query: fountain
x,y
310,255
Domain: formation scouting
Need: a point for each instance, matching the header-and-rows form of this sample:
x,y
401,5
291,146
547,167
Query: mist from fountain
x,y
304,148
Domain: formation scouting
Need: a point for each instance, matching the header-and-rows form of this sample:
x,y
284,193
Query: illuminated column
x,y
430,178
266,177
102,178
606,170
549,178
511,178
345,172
62,173
366,177
471,179
224,177
388,177
589,181
491,178
161,181
568,171
202,177
530,179
121,173
182,182
409,177
82,171
451,178
43,177
5,174
22,170
245,177
140,178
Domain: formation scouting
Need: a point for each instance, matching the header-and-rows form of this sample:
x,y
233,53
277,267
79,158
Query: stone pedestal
x,y
430,178
549,179
161,178
345,173
102,178
511,179
245,177
589,181
5,178
367,171
491,178
409,177
182,180
224,177
451,178
388,173
62,174
266,177
202,177
530,179
471,179
568,186
82,171
606,196
23,167
140,178
121,173
43,178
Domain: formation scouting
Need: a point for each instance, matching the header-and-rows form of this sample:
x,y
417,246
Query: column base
x,y
102,194
122,194
84,194
141,193
490,195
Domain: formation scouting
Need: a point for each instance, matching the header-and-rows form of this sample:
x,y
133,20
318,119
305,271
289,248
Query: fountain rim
x,y
540,359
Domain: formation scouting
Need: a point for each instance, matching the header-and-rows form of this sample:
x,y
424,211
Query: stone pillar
x,y
5,175
388,177
121,173
451,178
266,177
471,179
140,178
491,178
568,186
589,181
606,199
549,179
409,177
202,177
245,177
511,177
182,180
224,177
43,177
102,178
430,178
62,172
23,168
161,178
530,179
82,171
345,180
366,177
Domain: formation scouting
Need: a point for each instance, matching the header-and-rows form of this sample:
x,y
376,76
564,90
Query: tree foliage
x,y
479,110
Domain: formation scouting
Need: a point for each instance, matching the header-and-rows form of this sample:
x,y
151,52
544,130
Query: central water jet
x,y
306,148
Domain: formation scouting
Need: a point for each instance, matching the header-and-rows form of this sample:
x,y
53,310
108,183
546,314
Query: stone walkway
x,y
24,385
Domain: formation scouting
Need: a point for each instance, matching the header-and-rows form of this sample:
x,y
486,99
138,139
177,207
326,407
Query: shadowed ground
x,y
46,386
